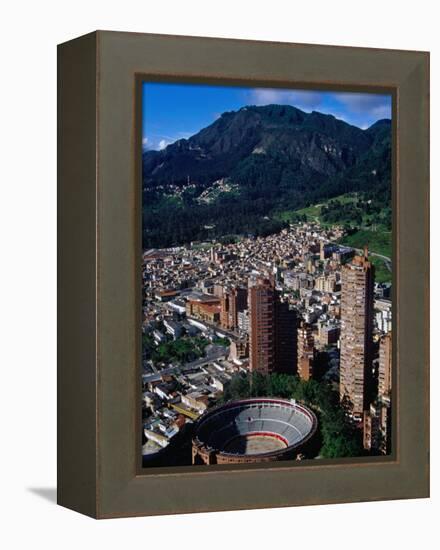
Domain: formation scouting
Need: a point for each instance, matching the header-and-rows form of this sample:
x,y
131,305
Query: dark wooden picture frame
x,y
99,470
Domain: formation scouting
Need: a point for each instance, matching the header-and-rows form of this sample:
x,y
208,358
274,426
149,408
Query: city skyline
x,y
267,278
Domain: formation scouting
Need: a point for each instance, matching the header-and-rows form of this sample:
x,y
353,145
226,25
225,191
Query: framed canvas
x,y
243,274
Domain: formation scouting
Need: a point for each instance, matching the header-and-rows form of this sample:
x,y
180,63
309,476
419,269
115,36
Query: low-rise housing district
x,y
265,304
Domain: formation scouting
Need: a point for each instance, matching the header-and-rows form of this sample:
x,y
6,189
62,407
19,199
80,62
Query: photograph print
x,y
266,274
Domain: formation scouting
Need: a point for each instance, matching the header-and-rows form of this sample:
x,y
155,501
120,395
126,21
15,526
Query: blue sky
x,y
175,111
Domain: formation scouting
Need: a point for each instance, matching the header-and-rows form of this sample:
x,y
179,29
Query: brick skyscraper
x,y
306,351
385,363
262,318
357,296
272,330
285,338
233,301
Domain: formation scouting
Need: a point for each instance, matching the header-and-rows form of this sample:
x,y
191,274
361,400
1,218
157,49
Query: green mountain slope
x,y
253,163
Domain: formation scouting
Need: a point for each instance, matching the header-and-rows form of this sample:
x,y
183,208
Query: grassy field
x,y
316,212
313,212
378,241
382,273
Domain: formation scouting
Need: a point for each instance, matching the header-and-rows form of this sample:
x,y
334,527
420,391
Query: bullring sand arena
x,y
253,430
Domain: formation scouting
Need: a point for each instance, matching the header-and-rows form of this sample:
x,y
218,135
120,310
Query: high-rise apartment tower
x,y
357,296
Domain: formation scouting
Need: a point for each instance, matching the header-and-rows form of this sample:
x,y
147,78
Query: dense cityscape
x,y
291,315
266,274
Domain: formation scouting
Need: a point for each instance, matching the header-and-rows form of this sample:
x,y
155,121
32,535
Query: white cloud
x,y
378,106
360,109
383,111
160,141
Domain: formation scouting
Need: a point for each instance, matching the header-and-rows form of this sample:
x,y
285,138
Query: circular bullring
x,y
253,430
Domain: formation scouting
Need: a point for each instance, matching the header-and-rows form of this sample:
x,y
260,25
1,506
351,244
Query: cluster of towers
x,y
278,343
368,400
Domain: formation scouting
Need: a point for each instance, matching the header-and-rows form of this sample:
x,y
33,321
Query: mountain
x,y
308,144
252,162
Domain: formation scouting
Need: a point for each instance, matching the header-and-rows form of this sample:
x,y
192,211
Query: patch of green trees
x,y
182,350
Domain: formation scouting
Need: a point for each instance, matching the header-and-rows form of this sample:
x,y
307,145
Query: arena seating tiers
x,y
287,420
